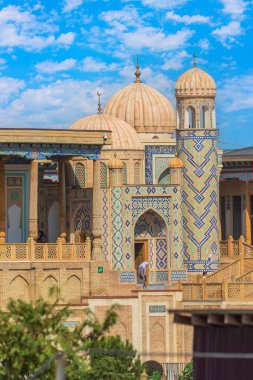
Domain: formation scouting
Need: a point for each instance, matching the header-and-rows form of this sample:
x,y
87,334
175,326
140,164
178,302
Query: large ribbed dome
x,y
124,136
144,108
195,82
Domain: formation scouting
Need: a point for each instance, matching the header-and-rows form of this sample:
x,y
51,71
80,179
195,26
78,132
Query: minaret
x,y
195,93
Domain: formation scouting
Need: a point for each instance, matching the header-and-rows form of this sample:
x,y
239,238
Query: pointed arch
x,y
119,329
137,168
164,177
50,283
190,117
79,175
157,339
19,289
73,289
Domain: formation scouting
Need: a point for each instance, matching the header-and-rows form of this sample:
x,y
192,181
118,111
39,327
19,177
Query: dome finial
x,y
194,59
137,72
99,102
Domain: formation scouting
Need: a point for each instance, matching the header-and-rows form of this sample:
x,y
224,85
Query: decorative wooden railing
x,y
32,251
235,248
224,291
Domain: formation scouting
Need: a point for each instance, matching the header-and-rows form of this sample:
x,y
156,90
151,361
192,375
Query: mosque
x,y
81,208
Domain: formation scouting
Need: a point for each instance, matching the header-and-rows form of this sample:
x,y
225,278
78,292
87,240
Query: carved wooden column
x,y
247,215
62,200
96,217
2,203
33,204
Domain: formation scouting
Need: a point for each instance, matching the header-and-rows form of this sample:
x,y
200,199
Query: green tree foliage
x,y
187,373
31,336
112,359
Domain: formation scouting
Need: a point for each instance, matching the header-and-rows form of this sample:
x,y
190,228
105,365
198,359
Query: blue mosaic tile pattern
x,y
105,235
162,276
161,254
70,324
157,308
177,275
42,151
128,277
156,196
198,150
117,229
150,150
151,252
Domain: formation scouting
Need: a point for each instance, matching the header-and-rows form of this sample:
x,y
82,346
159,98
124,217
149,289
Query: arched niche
x,y
73,290
50,289
150,244
164,177
119,329
157,340
204,117
53,222
19,289
190,118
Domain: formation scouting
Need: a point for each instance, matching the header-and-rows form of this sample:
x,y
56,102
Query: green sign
x,y
100,269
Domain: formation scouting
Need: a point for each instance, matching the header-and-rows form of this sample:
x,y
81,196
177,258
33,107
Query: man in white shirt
x,y
142,272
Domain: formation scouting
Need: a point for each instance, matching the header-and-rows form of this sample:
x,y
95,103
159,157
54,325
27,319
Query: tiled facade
x,y
198,151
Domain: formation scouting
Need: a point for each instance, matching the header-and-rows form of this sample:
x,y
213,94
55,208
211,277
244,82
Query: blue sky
x,y
55,55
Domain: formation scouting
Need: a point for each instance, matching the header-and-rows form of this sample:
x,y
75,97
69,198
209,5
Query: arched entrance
x,y
150,238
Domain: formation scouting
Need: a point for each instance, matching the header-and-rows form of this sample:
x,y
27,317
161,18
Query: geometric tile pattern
x,y
126,208
161,164
150,150
105,224
198,151
157,308
151,226
177,275
161,254
117,229
162,276
127,277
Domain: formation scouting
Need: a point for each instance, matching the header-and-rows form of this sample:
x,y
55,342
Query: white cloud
x,y
164,4
204,44
69,5
54,105
50,67
188,20
175,61
155,39
22,29
236,93
9,87
128,30
89,64
227,34
235,8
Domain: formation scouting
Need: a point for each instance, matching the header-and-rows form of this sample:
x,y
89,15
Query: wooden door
x,y
141,254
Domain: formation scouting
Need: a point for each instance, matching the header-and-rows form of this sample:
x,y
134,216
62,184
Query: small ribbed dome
x,y
195,82
124,136
144,108
176,163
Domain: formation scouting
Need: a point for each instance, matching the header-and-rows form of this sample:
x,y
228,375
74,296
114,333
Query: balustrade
x,y
32,251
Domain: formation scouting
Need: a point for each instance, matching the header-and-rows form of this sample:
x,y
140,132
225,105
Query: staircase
x,y
233,282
